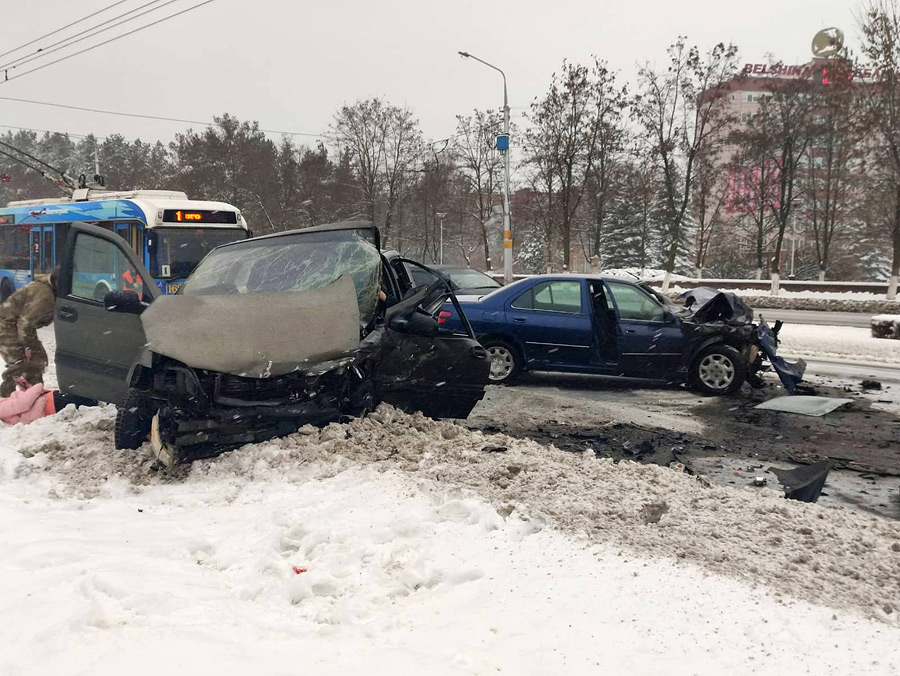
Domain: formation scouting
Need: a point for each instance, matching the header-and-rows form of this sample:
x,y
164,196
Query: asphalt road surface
x,y
859,319
886,373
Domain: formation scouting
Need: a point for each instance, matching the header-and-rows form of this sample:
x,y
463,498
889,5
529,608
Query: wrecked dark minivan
x,y
611,326
266,335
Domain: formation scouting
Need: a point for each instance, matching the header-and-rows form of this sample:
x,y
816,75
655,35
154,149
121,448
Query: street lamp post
x,y
441,215
507,232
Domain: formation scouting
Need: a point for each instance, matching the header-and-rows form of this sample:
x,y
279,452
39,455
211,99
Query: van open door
x,y
103,288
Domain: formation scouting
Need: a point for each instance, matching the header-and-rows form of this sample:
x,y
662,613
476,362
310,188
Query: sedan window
x,y
551,296
634,304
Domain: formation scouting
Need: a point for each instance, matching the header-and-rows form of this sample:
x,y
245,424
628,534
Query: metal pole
x,y
441,215
507,230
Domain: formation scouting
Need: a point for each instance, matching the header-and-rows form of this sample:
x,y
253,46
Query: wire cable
x,y
146,117
32,157
47,131
58,181
58,30
69,41
106,42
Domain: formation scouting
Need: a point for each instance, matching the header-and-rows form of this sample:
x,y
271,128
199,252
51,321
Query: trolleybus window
x,y
176,252
13,248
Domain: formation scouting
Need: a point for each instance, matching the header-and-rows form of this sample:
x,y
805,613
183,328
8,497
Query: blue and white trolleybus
x,y
170,233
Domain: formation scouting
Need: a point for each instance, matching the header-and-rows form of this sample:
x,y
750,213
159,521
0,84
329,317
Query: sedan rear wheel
x,y
719,369
504,363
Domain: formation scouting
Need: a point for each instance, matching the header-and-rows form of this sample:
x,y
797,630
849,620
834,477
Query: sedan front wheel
x,y
719,369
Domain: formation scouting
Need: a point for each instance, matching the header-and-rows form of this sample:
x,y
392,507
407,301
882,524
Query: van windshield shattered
x,y
300,262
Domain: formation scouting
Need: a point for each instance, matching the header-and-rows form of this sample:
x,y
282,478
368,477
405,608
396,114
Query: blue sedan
x,y
605,326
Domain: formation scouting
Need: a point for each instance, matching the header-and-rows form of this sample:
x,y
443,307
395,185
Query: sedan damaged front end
x,y
712,317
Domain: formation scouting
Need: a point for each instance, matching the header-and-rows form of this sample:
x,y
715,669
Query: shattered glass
x,y
300,262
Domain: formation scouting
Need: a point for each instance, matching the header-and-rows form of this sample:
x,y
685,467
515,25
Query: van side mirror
x,y
125,302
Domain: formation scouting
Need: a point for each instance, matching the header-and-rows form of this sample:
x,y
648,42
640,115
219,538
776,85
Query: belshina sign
x,y
828,43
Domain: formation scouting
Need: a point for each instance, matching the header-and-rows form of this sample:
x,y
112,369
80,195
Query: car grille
x,y
259,389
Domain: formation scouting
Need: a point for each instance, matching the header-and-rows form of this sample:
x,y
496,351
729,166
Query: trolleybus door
x,y
43,256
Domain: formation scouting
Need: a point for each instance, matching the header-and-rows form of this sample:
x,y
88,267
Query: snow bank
x,y
828,556
836,342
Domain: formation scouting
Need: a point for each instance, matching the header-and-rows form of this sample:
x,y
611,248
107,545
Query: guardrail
x,y
757,284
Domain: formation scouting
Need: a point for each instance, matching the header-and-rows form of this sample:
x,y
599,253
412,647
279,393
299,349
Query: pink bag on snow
x,y
27,405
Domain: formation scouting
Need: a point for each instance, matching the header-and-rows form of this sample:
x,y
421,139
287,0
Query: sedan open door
x,y
103,288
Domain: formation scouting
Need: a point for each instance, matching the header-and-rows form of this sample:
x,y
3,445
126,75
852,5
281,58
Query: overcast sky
x,y
290,63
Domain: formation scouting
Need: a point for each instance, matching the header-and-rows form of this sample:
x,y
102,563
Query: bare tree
x,y
576,128
384,143
708,203
786,113
834,159
481,167
680,110
880,27
754,177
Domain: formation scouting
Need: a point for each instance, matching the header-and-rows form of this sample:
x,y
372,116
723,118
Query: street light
x,y
507,232
441,215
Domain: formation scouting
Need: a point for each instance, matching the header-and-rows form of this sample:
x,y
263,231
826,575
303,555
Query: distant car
x,y
464,281
611,326
468,282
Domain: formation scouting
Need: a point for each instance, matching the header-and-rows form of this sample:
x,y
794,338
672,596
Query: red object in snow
x,y
5,178
298,569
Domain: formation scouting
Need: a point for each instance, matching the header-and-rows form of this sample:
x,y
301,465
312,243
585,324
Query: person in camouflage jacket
x,y
24,312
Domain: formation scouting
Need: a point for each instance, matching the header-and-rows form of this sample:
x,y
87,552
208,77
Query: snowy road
x,y
884,373
857,319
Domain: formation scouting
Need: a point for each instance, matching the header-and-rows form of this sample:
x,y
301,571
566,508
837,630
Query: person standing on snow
x,y
27,310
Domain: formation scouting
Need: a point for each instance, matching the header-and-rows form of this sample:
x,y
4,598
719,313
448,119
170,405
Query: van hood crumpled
x,y
256,335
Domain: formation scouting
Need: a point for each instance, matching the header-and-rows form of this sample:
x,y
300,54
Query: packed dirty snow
x,y
832,556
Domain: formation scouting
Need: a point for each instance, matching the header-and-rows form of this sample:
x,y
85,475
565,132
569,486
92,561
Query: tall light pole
x,y
441,215
507,232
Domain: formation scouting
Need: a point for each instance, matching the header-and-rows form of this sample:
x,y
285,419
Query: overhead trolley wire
x,y
146,117
58,30
106,42
69,41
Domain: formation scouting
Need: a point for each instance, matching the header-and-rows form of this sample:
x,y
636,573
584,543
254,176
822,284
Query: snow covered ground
x,y
837,342
398,545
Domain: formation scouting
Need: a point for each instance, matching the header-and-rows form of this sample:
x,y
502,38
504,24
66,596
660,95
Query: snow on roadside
x,y
398,576
829,556
418,553
837,342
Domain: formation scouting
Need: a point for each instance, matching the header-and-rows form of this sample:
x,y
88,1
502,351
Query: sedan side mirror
x,y
415,323
125,302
